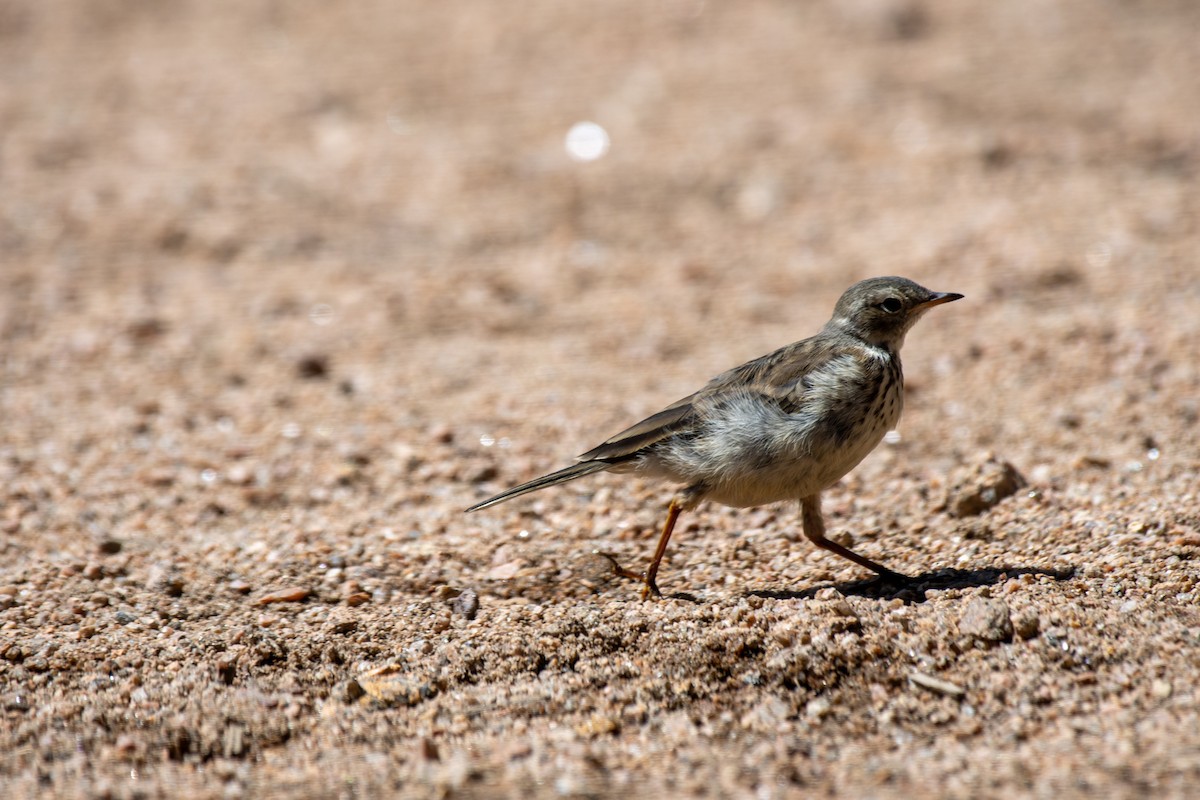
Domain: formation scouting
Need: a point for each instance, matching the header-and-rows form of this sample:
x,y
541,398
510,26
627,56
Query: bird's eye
x,y
891,305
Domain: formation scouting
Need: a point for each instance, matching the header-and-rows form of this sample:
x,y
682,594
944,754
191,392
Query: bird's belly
x,y
793,475
763,456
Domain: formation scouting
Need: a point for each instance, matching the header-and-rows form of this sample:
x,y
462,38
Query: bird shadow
x,y
913,590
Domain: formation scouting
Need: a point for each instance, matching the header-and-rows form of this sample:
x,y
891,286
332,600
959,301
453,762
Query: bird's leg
x,y
651,588
688,499
814,531
647,578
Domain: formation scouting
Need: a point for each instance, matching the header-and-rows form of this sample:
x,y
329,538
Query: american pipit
x,y
785,426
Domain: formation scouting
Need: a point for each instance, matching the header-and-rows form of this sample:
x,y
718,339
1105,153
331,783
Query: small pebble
x,y
467,604
226,671
313,367
986,621
109,547
979,486
351,690
1026,624
294,594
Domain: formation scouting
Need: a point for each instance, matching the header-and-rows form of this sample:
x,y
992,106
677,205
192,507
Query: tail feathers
x,y
554,478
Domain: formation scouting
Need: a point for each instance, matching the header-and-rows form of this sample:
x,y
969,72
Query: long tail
x,y
562,476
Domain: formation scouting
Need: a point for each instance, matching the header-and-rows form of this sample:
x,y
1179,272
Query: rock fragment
x,y
985,621
295,594
977,487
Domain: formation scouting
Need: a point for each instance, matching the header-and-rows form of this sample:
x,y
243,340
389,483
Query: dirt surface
x,y
286,286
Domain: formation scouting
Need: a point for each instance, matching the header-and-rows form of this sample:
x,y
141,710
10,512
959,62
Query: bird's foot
x,y
649,587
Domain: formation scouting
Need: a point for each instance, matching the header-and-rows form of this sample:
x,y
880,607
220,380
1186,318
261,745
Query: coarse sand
x,y
284,287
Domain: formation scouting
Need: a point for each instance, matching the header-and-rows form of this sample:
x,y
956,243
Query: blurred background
x,y
250,225
226,172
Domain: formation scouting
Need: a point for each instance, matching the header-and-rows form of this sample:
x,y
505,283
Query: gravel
x,y
286,287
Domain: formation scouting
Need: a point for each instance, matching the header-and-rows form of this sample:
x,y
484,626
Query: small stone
x,y
313,367
842,608
233,742
352,690
294,594
357,599
936,684
977,487
158,478
239,475
109,547
1026,624
167,579
598,725
146,329
226,671
467,604
485,473
390,686
986,621
505,571
818,708
1091,462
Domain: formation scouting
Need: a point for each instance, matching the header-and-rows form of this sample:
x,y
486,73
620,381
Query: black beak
x,y
937,299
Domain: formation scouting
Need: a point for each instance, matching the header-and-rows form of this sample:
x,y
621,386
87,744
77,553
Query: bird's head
x,y
881,310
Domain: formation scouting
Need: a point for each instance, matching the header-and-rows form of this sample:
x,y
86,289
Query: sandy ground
x,y
286,286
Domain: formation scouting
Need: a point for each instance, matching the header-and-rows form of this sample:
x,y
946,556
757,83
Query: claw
x,y
649,587
617,569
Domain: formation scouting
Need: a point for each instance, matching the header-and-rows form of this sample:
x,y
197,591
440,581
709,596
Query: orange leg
x,y
651,588
814,531
647,578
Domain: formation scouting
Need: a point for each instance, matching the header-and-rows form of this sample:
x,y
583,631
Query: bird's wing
x,y
635,438
778,376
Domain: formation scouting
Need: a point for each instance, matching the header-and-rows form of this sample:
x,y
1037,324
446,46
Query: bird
x,y
785,426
